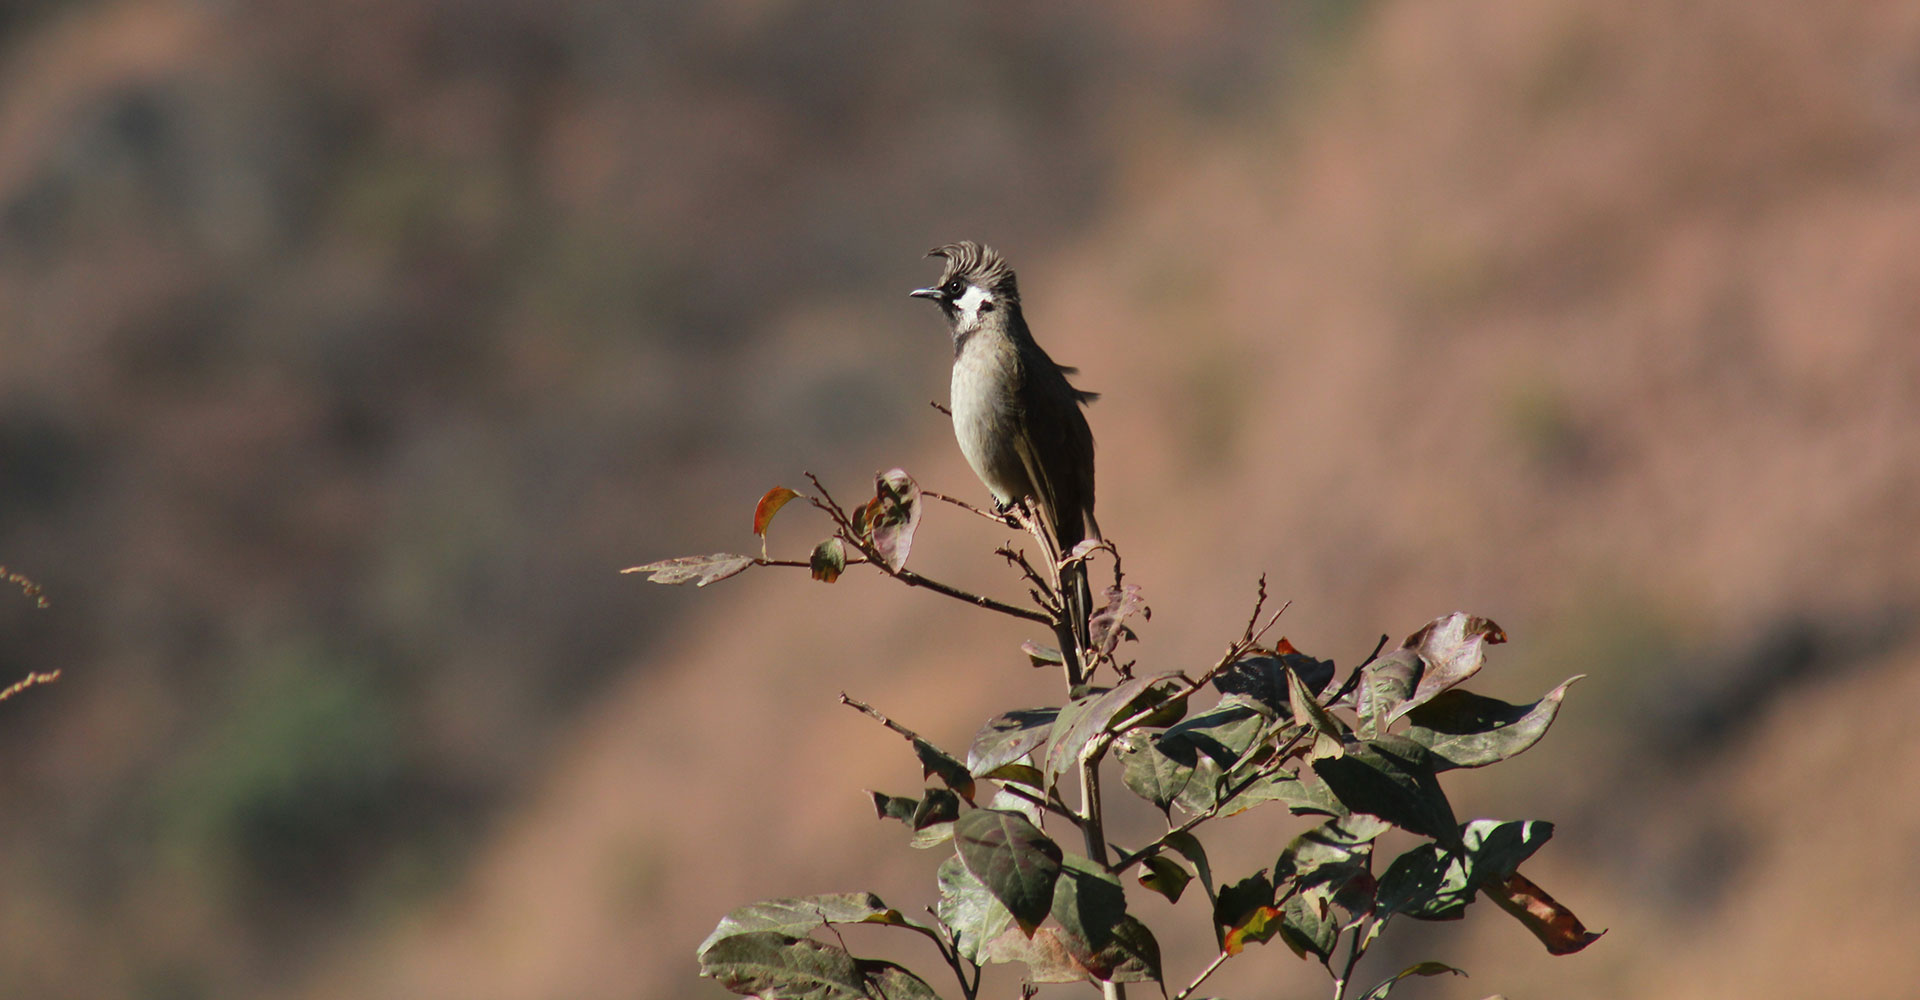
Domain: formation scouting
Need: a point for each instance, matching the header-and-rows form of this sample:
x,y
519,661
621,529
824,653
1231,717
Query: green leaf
x,y
1008,737
1464,729
1041,656
1258,926
1342,841
1391,777
1385,685
1427,883
1017,862
1212,744
775,965
933,818
829,560
967,907
937,763
1261,680
1189,847
699,570
1082,722
770,964
893,516
1327,865
1091,908
1244,911
1417,969
801,915
1007,801
1300,796
1019,774
894,806
1223,734
1150,773
1165,876
1046,953
1308,927
887,981
1497,847
1430,882
1307,710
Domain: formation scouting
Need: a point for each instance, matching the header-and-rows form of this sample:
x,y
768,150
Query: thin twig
x,y
964,505
1018,558
1202,977
1345,978
825,502
1259,602
1051,804
803,563
27,586
874,714
28,681
1270,622
950,952
912,579
1353,676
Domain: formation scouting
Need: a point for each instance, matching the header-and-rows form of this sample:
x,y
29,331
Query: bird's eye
x,y
954,288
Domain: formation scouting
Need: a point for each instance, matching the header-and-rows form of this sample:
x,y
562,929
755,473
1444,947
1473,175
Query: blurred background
x,y
348,349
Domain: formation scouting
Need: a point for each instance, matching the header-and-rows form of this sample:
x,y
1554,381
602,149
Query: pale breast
x,y
986,418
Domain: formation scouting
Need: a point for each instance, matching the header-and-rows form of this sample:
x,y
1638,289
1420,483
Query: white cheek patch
x,y
970,303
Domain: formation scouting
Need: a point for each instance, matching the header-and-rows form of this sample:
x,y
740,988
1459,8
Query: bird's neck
x,y
993,333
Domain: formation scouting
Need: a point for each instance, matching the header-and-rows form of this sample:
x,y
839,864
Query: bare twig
x,y
26,585
1354,951
1019,558
1051,803
912,579
31,680
936,405
1264,629
964,505
803,563
1259,602
1202,977
825,502
949,948
874,714
1353,676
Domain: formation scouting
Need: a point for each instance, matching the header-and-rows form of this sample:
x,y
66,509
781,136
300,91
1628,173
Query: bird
x,y
1017,418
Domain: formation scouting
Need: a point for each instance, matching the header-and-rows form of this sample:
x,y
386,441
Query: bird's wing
x,y
1055,428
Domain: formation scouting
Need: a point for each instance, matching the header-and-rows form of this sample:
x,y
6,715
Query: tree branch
x,y
1202,977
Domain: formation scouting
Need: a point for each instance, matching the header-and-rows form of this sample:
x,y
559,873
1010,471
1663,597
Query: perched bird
x,y
1017,418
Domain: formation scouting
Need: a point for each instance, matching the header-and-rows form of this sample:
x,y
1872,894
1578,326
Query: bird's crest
x,y
982,265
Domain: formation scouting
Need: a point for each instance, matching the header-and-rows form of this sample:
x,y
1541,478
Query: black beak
x,y
929,293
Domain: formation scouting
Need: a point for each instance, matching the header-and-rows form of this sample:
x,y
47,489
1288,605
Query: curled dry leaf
x,y
768,506
1553,924
893,515
698,570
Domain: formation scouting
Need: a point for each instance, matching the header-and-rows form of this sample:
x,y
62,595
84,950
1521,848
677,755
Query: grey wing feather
x,y
1054,426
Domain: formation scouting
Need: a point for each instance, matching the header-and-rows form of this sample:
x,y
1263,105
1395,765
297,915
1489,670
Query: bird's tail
x,y
1074,633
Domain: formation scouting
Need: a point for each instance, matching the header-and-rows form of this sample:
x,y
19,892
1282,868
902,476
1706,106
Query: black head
x,y
971,266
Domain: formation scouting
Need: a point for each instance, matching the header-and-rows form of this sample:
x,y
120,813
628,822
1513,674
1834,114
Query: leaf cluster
x,y
1263,726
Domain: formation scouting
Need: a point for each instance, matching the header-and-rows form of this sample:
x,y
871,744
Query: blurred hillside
x,y
349,348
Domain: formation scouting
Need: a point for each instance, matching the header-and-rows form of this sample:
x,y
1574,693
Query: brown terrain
x,y
349,349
